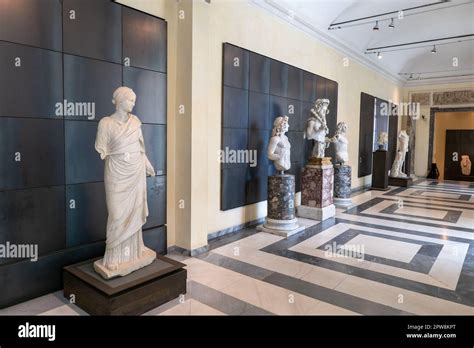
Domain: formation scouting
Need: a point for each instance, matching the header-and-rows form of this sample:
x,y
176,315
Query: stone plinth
x,y
317,185
342,185
281,218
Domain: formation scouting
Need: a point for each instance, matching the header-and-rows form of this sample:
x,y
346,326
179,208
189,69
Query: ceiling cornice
x,y
439,81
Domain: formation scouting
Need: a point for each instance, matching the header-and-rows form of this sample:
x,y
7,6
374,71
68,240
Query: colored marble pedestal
x,y
317,186
342,185
281,219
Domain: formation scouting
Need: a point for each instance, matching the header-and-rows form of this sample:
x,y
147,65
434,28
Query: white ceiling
x,y
452,18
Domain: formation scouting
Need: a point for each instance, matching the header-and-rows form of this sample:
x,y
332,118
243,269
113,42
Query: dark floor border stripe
x,y
427,204
331,296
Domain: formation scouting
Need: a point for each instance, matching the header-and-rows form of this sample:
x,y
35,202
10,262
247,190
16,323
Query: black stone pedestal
x,y
380,170
136,293
403,182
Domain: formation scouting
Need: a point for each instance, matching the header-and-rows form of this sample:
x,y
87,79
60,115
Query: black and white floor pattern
x,y
400,252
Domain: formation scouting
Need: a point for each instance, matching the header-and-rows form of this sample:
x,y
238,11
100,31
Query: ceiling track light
x,y
434,49
376,26
392,24
379,55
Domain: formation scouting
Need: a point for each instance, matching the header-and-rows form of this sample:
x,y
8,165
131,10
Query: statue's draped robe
x,y
121,145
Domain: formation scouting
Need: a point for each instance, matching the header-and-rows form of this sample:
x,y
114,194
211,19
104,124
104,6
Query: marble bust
x,y
340,142
465,165
316,127
279,147
403,140
382,140
120,144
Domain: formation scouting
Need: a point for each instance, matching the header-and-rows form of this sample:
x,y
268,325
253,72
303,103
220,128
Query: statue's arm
x,y
150,171
272,145
310,129
101,140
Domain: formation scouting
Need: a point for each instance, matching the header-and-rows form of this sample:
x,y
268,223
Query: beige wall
x,y
423,125
443,122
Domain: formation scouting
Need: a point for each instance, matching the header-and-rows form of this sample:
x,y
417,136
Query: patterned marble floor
x,y
399,252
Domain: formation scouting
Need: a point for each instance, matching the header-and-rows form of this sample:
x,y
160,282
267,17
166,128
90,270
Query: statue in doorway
x,y
465,165
397,167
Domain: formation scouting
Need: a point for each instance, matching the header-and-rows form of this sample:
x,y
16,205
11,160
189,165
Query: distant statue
x,y
340,142
396,171
316,127
120,143
279,147
465,165
383,140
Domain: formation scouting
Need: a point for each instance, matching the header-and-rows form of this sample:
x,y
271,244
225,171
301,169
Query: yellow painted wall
x,y
443,122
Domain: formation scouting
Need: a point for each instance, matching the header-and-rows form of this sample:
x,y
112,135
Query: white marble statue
x,y
316,127
120,143
340,142
396,171
383,140
279,147
465,165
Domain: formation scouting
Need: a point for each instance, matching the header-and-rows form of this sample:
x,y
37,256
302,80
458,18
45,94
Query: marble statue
x,y
316,127
120,144
383,140
340,142
465,165
279,147
403,140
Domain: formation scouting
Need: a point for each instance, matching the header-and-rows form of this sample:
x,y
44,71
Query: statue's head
x,y
280,125
124,99
341,128
321,106
383,138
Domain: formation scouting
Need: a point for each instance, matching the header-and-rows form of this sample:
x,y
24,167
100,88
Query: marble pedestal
x,y
317,185
342,185
281,219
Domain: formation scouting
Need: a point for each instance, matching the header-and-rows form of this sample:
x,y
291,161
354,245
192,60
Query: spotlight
x,y
411,76
392,24
376,27
379,55
434,49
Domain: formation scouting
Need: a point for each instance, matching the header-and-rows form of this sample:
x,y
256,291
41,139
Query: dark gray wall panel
x,y
90,80
294,109
40,144
86,213
295,83
32,89
235,108
233,140
144,51
80,149
236,67
321,87
156,196
278,107
34,23
258,141
259,111
297,145
257,185
33,216
278,78
233,183
95,31
331,118
309,87
259,73
155,146
366,133
150,88
155,239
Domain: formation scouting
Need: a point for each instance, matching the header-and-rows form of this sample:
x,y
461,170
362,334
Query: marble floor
x,y
399,252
